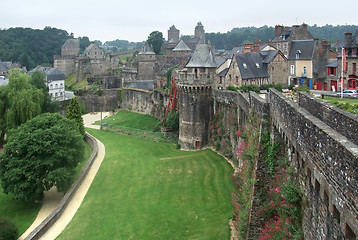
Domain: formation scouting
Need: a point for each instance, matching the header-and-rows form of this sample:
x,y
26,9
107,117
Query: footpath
x,y
52,197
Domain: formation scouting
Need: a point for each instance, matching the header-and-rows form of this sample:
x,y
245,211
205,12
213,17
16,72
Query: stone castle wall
x,y
326,163
342,121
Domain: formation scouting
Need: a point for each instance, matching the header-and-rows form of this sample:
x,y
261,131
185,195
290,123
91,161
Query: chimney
x,y
278,30
257,46
348,37
248,47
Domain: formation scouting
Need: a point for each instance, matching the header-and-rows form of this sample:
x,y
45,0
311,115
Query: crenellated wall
x,y
326,163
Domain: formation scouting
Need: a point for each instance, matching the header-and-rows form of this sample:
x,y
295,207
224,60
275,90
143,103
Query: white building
x,y
55,81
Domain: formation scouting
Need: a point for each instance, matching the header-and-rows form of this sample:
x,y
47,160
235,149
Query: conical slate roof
x,y
203,56
146,49
181,47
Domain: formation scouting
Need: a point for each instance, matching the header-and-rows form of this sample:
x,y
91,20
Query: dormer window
x,y
244,65
298,54
257,65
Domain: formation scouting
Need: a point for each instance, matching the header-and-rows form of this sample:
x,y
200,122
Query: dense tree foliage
x,y
31,47
38,81
238,36
156,40
74,113
42,153
123,45
19,102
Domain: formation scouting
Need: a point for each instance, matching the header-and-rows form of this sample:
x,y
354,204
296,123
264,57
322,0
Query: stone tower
x,y
195,92
173,34
200,33
146,63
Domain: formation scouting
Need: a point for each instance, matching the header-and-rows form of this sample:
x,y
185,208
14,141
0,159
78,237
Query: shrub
x,y
231,88
8,230
248,88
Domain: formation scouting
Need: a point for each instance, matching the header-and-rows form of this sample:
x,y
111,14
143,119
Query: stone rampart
x,y
342,121
100,99
326,163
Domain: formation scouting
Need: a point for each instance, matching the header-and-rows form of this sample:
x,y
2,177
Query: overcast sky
x,y
134,20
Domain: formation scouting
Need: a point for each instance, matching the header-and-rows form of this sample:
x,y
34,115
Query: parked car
x,y
348,93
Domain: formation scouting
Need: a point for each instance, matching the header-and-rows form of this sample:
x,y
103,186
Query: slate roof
x,y
71,43
235,50
146,49
54,74
223,72
181,47
355,38
333,64
268,56
251,66
3,67
305,49
286,34
203,56
219,61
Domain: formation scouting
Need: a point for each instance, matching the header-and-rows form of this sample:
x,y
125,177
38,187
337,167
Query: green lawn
x,y
24,213
347,104
148,190
127,119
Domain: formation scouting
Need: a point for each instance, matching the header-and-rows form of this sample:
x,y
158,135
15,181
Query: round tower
x,y
195,98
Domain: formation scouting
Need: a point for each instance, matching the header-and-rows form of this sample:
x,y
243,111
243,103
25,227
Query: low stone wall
x,y
342,121
99,100
56,214
137,100
326,163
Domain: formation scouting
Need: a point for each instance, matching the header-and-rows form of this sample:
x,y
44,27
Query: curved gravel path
x,y
52,197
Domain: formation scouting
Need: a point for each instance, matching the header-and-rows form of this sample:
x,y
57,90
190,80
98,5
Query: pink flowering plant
x,y
247,154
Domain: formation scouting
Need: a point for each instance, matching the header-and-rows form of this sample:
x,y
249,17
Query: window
x,y
354,67
196,73
56,85
257,65
244,65
292,69
278,45
230,78
50,86
332,71
298,54
221,80
285,47
305,70
237,79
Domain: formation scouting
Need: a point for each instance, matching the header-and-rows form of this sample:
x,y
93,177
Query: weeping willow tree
x,y
19,102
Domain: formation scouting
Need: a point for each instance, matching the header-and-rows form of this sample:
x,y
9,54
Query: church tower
x,y
195,93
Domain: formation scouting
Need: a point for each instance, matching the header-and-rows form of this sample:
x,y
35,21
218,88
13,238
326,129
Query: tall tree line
x,y
239,36
32,47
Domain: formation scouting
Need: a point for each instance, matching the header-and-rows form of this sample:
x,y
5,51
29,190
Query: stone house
x,y
276,64
245,69
93,51
285,35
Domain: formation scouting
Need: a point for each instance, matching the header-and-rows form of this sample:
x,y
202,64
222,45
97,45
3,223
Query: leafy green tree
x,y
38,81
74,113
156,40
40,154
26,61
19,102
